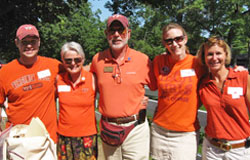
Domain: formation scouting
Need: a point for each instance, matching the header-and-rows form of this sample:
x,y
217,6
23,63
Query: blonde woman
x,y
226,96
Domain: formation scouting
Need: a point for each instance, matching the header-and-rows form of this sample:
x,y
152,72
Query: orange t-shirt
x,y
30,92
178,102
121,86
77,110
227,113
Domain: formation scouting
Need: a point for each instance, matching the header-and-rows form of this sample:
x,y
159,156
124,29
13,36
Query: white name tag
x,y
187,72
236,92
43,74
63,88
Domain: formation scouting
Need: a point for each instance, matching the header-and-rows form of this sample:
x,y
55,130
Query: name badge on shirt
x,y
187,72
236,92
43,74
63,88
108,69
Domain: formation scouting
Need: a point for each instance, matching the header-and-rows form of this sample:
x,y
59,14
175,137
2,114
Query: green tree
x,y
200,18
81,25
15,13
146,25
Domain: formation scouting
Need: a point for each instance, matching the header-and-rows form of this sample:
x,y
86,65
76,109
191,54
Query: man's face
x,y
28,46
117,35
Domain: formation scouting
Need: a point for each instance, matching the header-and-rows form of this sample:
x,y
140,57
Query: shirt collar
x,y
231,75
108,55
66,77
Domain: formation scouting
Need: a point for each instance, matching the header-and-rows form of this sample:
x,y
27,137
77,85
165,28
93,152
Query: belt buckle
x,y
225,146
119,121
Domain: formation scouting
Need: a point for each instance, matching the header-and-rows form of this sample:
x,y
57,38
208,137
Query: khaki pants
x,y
173,145
135,146
211,152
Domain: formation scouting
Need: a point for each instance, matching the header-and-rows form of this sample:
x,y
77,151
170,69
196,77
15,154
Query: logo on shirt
x,y
236,92
32,86
23,80
164,70
130,72
175,88
84,90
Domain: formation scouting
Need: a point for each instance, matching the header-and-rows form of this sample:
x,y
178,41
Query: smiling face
x,y
175,41
215,58
28,47
72,62
117,36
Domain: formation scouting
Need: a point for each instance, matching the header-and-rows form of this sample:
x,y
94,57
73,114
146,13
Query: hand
x,y
144,101
239,68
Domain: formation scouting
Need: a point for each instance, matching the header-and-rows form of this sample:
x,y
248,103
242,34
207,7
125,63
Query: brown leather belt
x,y
121,120
224,144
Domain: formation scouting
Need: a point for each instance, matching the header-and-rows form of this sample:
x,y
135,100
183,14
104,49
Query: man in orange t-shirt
x,y
121,75
28,83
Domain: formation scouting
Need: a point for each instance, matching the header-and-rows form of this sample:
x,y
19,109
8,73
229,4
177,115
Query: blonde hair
x,y
166,28
212,41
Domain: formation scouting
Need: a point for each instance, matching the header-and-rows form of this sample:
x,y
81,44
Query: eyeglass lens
x,y
32,42
70,60
170,41
120,30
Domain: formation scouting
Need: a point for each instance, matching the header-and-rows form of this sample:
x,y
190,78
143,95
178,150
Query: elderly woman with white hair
x,y
76,92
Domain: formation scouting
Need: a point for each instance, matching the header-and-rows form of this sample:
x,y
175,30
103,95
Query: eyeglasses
x,y
32,42
70,60
120,30
170,41
117,75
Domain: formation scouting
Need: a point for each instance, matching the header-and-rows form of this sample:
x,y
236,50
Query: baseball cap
x,y
26,30
118,17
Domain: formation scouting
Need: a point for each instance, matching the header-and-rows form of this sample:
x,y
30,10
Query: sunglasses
x,y
70,60
170,41
32,42
120,30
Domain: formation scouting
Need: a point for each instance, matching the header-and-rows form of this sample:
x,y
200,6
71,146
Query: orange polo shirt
x,y
76,106
227,113
178,102
30,92
121,86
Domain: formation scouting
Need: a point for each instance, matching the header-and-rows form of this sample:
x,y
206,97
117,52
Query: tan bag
x,y
23,143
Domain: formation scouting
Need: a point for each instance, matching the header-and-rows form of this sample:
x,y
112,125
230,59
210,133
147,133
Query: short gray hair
x,y
69,46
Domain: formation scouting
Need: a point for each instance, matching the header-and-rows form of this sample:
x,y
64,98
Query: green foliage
x,y
81,26
200,18
60,21
15,13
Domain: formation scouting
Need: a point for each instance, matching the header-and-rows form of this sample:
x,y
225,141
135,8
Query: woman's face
x,y
215,58
175,41
72,62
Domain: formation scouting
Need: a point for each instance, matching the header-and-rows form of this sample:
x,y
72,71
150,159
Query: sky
x,y
99,4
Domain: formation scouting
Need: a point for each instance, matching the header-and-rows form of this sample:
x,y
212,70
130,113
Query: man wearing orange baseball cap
x,y
122,73
28,83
